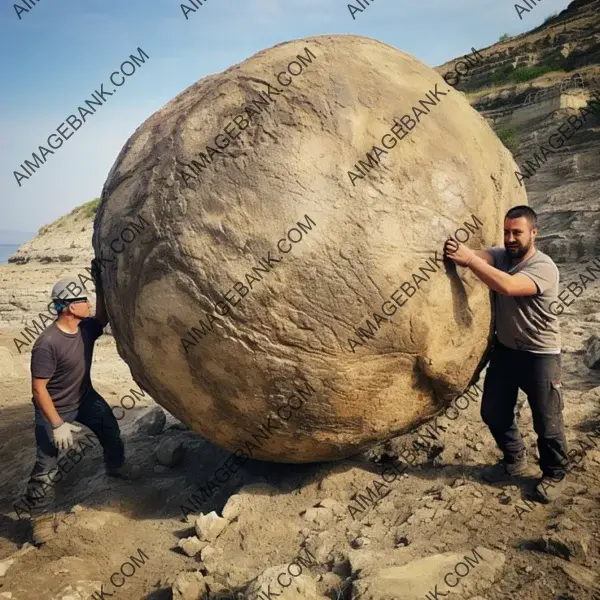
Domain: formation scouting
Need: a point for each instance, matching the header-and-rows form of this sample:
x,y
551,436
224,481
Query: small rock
x,y
477,494
80,590
528,569
6,595
189,586
209,527
577,488
402,541
380,576
561,523
234,506
304,586
360,542
566,545
77,508
191,545
504,499
583,577
330,584
212,559
445,494
592,352
478,446
5,565
152,422
170,452
318,515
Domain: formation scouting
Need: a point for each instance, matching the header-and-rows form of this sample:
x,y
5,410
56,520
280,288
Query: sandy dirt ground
x,y
416,531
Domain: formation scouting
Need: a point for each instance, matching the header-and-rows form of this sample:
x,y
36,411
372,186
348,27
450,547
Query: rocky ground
x,y
289,530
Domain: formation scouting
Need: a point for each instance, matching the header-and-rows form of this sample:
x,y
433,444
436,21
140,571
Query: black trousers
x,y
94,413
538,375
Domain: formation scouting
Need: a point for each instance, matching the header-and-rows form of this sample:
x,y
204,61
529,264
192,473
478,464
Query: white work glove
x,y
63,436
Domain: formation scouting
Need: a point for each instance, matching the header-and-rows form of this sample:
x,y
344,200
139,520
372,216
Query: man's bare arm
x,y
44,401
497,280
485,255
501,282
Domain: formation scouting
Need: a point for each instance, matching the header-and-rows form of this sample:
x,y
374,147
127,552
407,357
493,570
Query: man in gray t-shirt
x,y
61,360
526,350
528,322
65,360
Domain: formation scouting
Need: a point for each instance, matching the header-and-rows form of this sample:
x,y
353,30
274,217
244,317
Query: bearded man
x,y
525,353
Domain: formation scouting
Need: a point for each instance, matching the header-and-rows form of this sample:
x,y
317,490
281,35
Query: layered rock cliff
x,y
562,183
61,248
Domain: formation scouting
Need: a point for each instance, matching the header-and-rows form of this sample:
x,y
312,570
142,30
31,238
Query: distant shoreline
x,y
6,250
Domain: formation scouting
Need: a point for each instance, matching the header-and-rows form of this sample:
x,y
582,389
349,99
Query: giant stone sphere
x,y
273,241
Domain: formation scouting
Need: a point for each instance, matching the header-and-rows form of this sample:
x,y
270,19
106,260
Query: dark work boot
x,y
44,528
505,472
548,489
125,471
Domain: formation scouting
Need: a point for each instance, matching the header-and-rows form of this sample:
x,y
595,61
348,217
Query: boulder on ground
x,y
5,565
302,587
80,590
191,545
153,422
170,452
189,585
209,527
468,573
288,296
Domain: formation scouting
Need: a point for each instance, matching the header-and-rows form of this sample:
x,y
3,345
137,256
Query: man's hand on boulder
x,y
458,252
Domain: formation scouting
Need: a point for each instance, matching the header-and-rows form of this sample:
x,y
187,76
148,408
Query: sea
x,y
6,250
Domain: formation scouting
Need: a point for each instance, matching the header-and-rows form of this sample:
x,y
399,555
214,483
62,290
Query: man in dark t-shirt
x,y
61,359
526,351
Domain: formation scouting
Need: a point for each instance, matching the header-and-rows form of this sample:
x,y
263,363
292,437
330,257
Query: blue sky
x,y
62,50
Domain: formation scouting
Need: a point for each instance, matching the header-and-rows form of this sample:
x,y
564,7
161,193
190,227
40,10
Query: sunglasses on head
x,y
76,300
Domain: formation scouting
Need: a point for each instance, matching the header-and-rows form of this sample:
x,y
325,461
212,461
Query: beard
x,y
517,251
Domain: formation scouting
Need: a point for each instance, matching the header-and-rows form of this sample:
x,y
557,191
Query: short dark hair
x,y
523,211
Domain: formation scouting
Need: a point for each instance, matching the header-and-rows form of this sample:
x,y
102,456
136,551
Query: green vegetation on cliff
x,y
82,212
90,208
508,136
